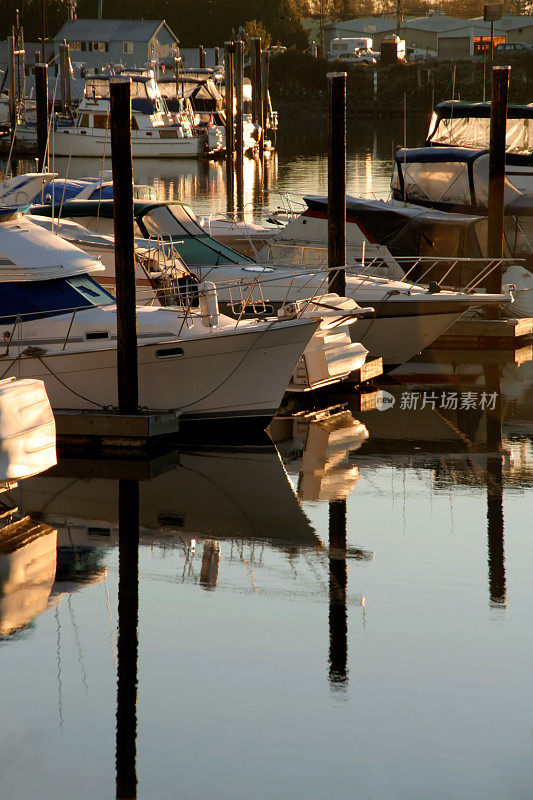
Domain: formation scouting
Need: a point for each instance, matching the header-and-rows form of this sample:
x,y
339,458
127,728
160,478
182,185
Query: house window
x,y
127,48
100,46
75,45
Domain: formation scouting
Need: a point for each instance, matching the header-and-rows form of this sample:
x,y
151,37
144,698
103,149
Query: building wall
x,y
454,47
423,39
520,34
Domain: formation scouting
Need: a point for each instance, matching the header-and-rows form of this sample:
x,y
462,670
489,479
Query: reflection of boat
x,y
208,494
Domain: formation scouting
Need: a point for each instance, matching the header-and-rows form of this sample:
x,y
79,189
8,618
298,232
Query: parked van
x,y
342,48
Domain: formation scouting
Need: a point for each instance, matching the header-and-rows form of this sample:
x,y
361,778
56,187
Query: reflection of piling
x,y
127,369
257,89
338,580
337,182
495,532
128,611
41,101
498,126
210,564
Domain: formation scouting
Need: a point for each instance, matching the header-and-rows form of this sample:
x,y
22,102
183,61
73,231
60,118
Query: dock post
x,y
257,89
41,100
265,72
11,82
128,641
177,73
217,56
121,156
338,582
201,55
229,50
239,76
64,66
337,182
498,126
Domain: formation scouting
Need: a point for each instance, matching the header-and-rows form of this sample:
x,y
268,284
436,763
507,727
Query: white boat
x,y
155,133
407,317
61,327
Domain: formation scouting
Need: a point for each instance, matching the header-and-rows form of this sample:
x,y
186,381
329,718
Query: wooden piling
x,y
239,116
121,155
337,182
41,101
11,81
229,53
257,88
177,72
498,126
265,73
217,56
64,66
201,56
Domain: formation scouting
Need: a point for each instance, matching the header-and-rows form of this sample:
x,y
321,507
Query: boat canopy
x,y
449,179
460,124
29,253
407,230
160,221
44,298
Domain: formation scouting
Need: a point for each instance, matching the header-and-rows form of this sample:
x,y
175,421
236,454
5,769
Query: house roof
x,y
364,25
436,23
510,21
111,30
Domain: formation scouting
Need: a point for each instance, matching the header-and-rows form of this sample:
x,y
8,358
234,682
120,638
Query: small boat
x,y
155,133
60,326
407,316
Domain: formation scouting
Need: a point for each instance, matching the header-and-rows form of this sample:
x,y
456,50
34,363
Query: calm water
x,y
345,613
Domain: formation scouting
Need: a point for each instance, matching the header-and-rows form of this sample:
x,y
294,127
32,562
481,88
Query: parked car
x,y
508,48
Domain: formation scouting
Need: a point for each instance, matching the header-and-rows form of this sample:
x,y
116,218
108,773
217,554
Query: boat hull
x,y
213,377
71,143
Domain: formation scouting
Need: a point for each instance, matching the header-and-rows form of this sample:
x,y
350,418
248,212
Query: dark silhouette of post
x,y
128,614
177,72
64,68
498,127
265,72
337,182
41,101
229,52
217,56
121,155
495,520
11,82
201,56
239,117
338,581
257,88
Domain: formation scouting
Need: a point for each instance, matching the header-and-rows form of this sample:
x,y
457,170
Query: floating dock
x,y
486,334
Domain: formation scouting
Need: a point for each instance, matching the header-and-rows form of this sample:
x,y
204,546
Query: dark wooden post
x,y
64,66
41,101
257,89
338,581
239,118
498,127
229,49
337,182
265,70
201,54
217,56
128,644
11,81
177,72
127,368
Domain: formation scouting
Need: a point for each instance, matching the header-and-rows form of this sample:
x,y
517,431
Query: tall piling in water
x,y
177,72
257,88
239,117
498,127
201,56
337,182
64,67
265,72
121,155
229,51
11,81
217,56
41,101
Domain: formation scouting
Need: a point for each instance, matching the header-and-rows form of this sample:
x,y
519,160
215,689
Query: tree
x,y
253,28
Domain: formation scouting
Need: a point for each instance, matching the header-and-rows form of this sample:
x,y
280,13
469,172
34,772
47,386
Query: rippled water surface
x,y
342,609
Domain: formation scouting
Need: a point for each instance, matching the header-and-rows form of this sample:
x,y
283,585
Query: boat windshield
x,y
35,299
